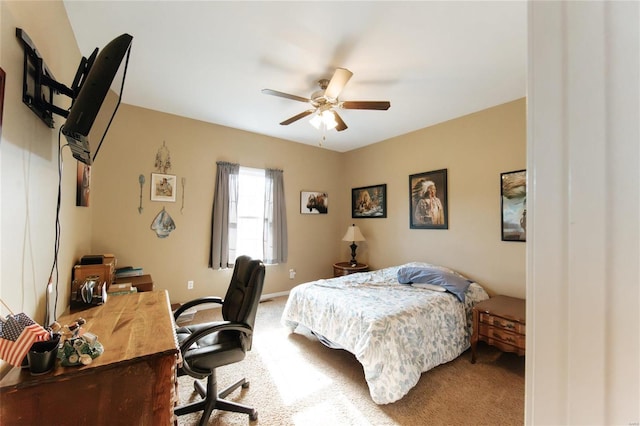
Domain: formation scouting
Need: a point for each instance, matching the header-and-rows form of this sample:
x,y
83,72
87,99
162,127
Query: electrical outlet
x,y
292,274
189,285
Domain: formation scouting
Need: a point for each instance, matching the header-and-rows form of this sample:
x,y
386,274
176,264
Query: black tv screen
x,y
92,93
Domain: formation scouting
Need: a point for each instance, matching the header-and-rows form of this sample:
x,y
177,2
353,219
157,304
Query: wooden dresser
x,y
133,382
501,322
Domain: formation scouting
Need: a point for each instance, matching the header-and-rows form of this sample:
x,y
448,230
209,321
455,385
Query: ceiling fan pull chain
x,y
324,135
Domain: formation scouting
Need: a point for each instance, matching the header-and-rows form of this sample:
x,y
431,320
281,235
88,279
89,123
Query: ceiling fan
x,y
325,101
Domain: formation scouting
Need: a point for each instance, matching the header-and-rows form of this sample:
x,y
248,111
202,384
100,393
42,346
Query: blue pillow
x,y
453,283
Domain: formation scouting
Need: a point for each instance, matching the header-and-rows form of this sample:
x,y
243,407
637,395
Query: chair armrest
x,y
215,327
195,302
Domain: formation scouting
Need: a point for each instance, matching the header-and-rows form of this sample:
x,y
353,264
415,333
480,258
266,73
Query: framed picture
x,y
428,200
163,187
369,201
513,195
314,202
83,184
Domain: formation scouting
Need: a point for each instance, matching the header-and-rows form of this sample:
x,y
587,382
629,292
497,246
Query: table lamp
x,y
353,234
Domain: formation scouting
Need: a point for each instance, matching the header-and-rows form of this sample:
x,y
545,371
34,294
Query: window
x,y
249,215
250,225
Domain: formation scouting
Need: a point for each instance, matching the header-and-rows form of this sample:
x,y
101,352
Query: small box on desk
x,y
92,259
141,282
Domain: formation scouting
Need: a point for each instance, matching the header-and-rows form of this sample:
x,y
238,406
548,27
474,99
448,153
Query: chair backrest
x,y
242,298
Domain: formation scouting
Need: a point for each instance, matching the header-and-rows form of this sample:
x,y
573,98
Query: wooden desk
x,y
133,382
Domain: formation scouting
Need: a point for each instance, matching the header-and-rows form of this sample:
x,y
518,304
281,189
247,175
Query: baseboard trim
x,y
270,296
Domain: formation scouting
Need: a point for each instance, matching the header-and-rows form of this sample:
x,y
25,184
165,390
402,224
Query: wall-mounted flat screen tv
x,y
92,83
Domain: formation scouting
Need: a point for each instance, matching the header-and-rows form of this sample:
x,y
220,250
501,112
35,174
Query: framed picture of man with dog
x,y
369,201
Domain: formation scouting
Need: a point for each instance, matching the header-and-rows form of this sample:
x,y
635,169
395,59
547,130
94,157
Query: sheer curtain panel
x,y
275,220
225,213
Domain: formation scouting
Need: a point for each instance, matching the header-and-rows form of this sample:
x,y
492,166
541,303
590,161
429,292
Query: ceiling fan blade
x,y
297,117
340,78
379,105
285,95
341,125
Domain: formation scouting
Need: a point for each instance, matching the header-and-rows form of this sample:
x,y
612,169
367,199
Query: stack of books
x,y
116,289
128,271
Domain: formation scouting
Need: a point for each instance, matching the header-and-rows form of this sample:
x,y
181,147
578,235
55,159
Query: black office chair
x,y
206,346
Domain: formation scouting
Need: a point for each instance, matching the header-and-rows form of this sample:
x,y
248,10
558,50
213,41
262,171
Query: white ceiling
x,y
209,60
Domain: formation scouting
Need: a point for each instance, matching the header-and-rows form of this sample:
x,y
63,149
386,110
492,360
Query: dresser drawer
x,y
502,323
505,347
508,337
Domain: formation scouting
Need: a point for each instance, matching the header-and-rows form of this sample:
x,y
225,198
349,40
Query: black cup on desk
x,y
42,356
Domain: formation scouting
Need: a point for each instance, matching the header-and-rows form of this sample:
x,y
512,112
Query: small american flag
x,y
17,334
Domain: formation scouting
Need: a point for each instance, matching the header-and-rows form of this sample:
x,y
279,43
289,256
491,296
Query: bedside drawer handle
x,y
506,339
505,324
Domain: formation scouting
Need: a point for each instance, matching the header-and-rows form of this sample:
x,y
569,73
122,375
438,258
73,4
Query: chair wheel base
x,y
253,416
245,385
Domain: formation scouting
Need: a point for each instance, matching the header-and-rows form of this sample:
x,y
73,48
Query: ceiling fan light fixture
x,y
329,119
316,121
324,119
324,101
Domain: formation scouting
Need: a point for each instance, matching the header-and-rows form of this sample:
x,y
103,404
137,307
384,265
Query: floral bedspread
x,y
396,331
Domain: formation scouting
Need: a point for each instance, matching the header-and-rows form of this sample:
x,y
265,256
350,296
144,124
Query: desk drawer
x,y
508,337
502,323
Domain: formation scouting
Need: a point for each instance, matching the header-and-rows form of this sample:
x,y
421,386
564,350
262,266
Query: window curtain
x,y
225,216
275,218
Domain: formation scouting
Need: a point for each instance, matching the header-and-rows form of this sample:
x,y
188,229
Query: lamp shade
x,y
353,234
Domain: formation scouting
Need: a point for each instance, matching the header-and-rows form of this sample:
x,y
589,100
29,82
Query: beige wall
x,y
134,139
466,147
30,167
474,149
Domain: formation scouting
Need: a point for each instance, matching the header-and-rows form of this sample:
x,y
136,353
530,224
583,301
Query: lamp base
x,y
353,261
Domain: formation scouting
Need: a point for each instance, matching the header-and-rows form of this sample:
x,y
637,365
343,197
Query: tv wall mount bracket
x,y
39,85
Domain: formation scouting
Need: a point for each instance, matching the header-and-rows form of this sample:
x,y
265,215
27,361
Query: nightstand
x,y
345,268
500,322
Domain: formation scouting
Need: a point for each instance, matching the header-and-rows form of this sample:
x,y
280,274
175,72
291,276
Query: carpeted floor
x,y
295,380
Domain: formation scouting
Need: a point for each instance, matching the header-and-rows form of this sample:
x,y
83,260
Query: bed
x,y
398,324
